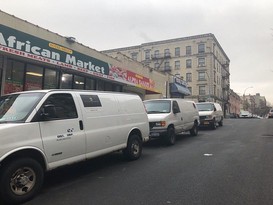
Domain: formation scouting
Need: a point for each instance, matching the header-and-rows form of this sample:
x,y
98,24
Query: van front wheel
x,y
213,125
170,137
134,147
21,180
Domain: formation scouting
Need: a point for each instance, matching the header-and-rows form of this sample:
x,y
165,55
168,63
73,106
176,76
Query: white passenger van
x,y
211,114
43,130
168,117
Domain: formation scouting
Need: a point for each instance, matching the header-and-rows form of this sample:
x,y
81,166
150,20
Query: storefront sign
x,y
22,44
179,81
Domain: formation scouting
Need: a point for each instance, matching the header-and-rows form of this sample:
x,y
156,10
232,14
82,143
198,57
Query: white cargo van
x,y
168,117
211,114
43,130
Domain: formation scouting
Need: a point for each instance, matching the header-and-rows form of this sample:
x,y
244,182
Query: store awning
x,y
176,88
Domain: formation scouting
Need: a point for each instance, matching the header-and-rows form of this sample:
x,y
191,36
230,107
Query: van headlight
x,y
160,124
209,117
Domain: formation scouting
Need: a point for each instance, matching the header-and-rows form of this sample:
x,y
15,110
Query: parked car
x,y
43,130
270,113
211,114
168,117
245,114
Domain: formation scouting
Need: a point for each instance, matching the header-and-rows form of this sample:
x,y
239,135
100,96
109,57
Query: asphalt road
x,y
230,165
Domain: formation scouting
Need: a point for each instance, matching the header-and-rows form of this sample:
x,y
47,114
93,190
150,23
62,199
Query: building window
x,y
188,63
156,66
214,76
177,65
201,62
34,77
202,90
201,76
177,52
90,84
14,77
78,82
100,85
134,56
66,82
190,89
51,79
156,54
214,90
188,77
201,48
147,55
188,50
167,52
167,66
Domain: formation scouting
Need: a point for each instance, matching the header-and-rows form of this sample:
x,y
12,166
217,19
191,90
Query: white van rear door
x,y
62,134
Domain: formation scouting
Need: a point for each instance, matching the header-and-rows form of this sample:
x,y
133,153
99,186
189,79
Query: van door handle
x,y
182,118
81,125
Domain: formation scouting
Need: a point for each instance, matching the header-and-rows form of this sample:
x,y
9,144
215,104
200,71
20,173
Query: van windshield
x,y
204,107
158,106
17,107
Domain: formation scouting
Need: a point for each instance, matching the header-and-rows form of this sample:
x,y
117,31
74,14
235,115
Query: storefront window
x,y
108,86
78,82
100,85
66,82
51,79
90,84
14,77
34,77
118,88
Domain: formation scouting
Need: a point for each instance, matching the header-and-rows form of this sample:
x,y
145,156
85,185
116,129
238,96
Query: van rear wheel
x,y
134,147
21,180
194,130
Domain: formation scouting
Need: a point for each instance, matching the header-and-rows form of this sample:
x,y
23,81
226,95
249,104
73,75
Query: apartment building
x,y
199,60
256,104
234,104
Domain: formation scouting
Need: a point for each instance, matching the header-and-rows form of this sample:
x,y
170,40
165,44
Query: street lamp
x,y
244,97
246,89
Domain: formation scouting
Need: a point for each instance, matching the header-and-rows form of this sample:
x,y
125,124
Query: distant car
x,y
270,114
245,114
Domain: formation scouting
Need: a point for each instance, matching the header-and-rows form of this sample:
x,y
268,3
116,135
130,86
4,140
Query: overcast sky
x,y
244,28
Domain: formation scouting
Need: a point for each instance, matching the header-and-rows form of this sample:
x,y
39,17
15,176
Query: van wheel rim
x,y
22,181
135,148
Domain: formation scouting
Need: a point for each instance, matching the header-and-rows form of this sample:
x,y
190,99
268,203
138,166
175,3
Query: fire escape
x,y
159,59
225,86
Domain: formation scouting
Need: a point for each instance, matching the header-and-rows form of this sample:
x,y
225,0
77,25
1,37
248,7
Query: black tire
x,y
213,126
170,137
220,123
134,147
194,130
20,180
